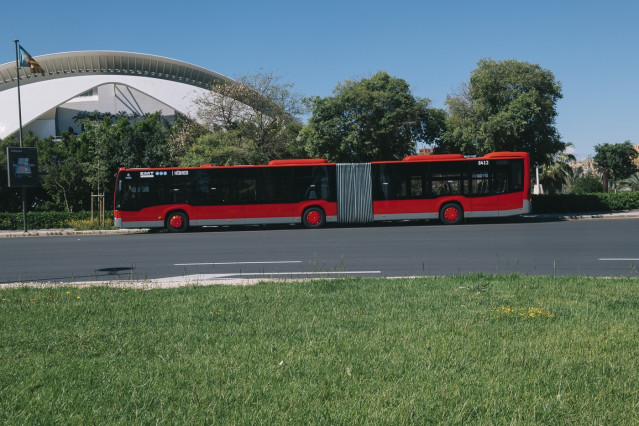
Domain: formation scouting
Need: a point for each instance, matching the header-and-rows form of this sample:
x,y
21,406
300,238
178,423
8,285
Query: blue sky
x,y
592,47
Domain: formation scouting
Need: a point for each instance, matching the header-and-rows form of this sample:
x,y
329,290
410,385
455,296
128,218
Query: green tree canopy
x,y
587,185
376,118
62,174
259,114
615,161
508,105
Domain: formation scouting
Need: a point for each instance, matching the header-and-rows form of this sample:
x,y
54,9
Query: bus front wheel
x,y
314,217
177,222
451,214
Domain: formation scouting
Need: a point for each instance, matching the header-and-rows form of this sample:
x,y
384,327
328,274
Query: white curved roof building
x,y
104,81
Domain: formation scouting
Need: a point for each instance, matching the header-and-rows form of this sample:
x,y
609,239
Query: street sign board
x,y
22,167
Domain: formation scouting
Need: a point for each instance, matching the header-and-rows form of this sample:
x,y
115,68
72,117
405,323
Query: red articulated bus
x,y
314,192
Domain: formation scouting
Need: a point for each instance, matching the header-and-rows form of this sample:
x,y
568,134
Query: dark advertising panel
x,y
22,167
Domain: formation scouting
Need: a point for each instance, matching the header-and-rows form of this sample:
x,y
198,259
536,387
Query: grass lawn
x,y
472,348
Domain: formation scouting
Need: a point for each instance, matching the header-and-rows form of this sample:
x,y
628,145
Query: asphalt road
x,y
581,247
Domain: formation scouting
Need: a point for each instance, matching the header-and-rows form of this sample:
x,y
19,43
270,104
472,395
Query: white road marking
x,y
237,263
635,259
206,277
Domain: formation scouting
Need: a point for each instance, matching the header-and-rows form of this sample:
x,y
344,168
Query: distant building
x,y
103,81
585,167
425,151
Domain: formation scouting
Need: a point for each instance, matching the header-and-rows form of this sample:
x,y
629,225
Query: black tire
x,y
451,214
314,217
177,222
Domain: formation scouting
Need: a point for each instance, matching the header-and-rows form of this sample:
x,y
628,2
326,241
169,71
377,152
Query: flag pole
x,y
24,189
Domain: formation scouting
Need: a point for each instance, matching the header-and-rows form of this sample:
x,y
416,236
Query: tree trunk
x,y
605,182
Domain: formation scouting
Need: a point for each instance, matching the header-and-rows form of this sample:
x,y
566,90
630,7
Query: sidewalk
x,y
68,231
629,214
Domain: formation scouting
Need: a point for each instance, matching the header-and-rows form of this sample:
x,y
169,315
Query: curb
x,y
69,231
630,214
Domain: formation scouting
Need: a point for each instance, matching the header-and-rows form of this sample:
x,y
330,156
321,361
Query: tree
x,y
114,141
557,173
259,111
615,161
220,148
507,106
631,183
586,185
184,133
376,118
62,177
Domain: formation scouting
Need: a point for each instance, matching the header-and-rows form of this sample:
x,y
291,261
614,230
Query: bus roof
x,y
456,157
322,161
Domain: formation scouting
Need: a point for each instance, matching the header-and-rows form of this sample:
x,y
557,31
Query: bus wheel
x,y
451,214
313,217
177,222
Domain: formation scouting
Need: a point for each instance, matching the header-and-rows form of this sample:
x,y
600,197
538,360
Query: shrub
x,y
587,185
48,220
594,202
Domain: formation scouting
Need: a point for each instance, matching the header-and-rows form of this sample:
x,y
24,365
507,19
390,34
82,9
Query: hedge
x,y
576,203
50,220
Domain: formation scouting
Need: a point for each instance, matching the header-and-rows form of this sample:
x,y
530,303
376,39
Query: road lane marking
x,y
238,263
205,277
632,259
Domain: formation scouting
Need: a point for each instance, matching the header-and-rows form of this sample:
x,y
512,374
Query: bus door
x,y
508,185
483,199
496,187
449,182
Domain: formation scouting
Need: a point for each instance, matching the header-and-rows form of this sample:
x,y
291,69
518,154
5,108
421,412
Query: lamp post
x,y
24,189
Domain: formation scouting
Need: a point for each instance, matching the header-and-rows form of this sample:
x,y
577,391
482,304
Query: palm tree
x,y
629,184
555,175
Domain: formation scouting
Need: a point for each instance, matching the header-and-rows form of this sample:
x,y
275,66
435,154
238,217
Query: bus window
x,y
411,187
446,184
449,179
220,191
479,182
407,181
517,175
246,190
383,181
311,183
274,185
508,176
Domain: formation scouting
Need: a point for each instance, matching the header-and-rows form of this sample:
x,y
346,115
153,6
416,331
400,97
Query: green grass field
x,y
473,348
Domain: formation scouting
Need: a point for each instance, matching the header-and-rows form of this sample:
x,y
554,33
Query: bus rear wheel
x,y
451,214
177,222
313,217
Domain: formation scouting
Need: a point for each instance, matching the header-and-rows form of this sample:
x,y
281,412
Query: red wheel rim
x,y
313,218
176,221
451,214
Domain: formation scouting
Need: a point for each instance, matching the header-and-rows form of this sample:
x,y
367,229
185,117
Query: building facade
x,y
104,81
